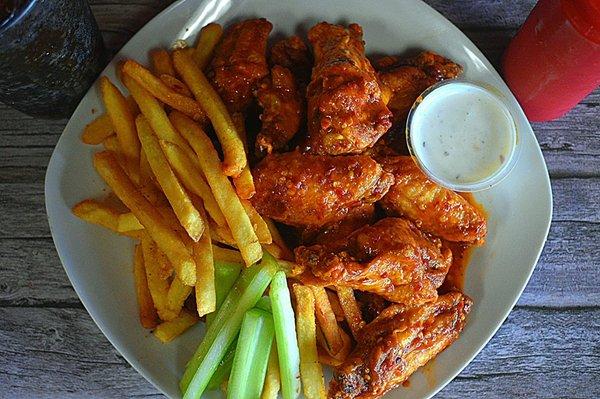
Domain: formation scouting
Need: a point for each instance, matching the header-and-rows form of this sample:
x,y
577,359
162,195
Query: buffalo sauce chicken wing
x,y
316,190
346,111
240,62
391,258
403,80
435,209
293,54
282,103
396,344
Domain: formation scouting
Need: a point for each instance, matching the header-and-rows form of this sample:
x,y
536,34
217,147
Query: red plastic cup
x,y
554,60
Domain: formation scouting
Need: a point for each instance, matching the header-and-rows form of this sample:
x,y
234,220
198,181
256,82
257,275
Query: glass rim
x,y
487,182
16,17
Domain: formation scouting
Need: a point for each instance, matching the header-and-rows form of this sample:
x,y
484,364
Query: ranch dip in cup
x,y
462,136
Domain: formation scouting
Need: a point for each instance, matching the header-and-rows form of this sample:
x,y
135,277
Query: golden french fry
x,y
148,186
169,330
155,262
327,321
311,372
158,89
122,120
168,241
291,269
260,227
233,146
97,130
178,293
176,85
286,253
235,214
133,107
148,316
207,40
161,62
182,205
325,357
128,222
227,255
192,178
95,212
111,143
244,183
221,234
351,309
102,214
335,305
151,108
272,378
206,297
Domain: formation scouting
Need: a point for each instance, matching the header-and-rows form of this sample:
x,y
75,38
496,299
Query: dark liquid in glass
x,y
51,51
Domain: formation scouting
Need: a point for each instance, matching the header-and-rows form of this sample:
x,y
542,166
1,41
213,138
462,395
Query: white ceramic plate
x,y
98,262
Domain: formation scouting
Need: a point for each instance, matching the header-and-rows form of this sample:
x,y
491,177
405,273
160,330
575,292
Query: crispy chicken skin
x,y
346,112
404,80
396,344
316,190
282,110
292,53
391,258
436,210
355,219
240,62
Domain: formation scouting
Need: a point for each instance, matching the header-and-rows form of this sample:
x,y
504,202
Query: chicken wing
x,y
293,54
434,209
316,190
282,110
391,258
346,112
240,62
396,344
404,80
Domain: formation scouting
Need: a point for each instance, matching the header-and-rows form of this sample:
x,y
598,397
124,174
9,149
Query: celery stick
x,y
226,273
251,356
224,369
264,303
285,336
247,290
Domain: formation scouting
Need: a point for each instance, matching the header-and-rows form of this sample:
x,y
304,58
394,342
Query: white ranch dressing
x,y
462,135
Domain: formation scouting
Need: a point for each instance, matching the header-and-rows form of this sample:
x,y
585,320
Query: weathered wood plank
x,y
566,274
66,355
50,353
536,354
25,214
35,277
32,275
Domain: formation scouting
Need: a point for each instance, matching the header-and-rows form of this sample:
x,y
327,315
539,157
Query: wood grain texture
x,y
571,250
548,347
60,353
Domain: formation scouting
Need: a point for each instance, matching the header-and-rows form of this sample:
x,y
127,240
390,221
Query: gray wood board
x,y
53,352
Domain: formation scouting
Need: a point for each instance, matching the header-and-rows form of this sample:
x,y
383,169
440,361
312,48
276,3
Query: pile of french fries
x,y
187,208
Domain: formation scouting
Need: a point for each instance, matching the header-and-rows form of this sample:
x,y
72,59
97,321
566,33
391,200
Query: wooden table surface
x,y
549,347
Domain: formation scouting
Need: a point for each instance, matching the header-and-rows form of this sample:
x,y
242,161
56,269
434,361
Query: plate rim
x,y
137,365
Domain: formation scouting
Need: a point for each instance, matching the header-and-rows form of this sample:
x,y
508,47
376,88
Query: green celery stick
x,y
224,369
226,273
264,303
247,290
251,356
285,337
